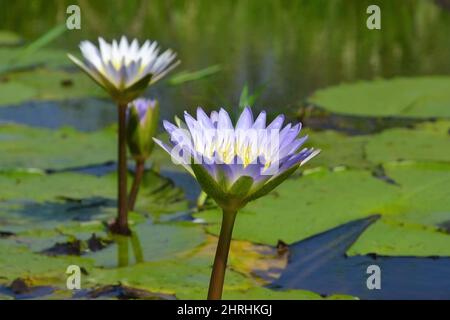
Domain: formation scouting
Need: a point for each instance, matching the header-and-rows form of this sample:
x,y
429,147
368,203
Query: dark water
x,y
290,48
320,264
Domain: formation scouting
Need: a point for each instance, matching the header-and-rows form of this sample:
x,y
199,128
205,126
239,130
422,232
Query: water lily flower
x,y
142,122
125,69
235,164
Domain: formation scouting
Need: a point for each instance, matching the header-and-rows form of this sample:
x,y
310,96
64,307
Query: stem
x,y
139,172
121,224
122,251
220,261
137,248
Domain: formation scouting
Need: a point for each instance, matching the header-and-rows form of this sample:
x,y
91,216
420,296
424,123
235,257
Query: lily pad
x,y
50,200
43,84
420,194
426,142
150,242
28,147
15,59
302,207
19,262
261,293
188,278
58,85
338,149
393,238
415,218
15,92
420,97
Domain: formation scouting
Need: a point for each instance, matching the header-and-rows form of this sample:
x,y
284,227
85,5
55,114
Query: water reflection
x,y
293,47
123,252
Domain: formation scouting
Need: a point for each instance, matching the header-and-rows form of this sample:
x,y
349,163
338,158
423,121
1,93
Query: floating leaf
x,y
150,242
27,147
338,149
52,58
393,238
15,92
427,142
316,202
305,206
420,97
44,84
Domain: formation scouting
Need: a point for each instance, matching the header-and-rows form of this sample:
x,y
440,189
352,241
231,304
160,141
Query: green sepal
x,y
208,184
271,184
132,92
241,187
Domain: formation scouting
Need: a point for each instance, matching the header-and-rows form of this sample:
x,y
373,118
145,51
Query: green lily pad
x,y
260,293
305,206
27,147
18,261
425,192
415,218
15,92
150,242
15,59
338,149
41,187
319,201
420,97
58,85
393,238
50,200
188,278
43,84
427,142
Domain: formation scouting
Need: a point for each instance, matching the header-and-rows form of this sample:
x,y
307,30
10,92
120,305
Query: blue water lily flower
x,y
124,68
237,164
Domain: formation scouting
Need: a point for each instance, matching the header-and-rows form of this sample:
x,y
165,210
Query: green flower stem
x,y
220,261
123,257
121,224
137,248
138,174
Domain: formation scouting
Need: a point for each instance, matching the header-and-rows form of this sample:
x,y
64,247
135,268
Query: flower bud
x,y
142,123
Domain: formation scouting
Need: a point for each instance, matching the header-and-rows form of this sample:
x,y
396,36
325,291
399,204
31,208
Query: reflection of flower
x,y
124,69
141,127
237,164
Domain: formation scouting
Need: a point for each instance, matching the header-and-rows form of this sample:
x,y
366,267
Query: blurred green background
x,y
290,48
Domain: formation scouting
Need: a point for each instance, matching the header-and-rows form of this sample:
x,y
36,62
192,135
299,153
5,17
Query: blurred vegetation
x,y
294,46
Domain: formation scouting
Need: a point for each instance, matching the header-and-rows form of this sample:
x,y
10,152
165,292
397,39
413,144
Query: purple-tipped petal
x,y
277,123
245,120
